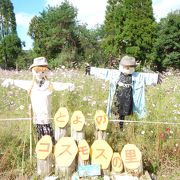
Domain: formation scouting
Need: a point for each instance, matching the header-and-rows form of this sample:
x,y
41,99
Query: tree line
x,y
129,28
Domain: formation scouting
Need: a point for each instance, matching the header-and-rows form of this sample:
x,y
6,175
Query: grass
x,y
159,143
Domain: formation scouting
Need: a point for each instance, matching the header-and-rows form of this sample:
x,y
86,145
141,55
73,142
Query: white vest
x,y
41,103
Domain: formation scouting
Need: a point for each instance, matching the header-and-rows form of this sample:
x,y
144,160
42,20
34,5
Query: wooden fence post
x,y
44,156
65,153
61,119
30,132
101,123
132,160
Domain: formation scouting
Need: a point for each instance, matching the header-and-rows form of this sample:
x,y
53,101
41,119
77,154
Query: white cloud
x,y
92,12
163,7
23,19
53,2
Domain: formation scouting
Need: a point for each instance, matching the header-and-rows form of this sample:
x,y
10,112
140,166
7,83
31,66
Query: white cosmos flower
x,y
21,107
85,98
93,103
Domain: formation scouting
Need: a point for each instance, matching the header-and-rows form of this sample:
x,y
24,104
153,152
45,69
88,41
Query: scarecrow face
x,y
40,72
127,69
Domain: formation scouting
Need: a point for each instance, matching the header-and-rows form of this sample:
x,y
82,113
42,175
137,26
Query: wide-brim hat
x,y
39,61
128,61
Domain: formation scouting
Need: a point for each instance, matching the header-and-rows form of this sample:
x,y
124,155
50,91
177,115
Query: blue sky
x,y
91,12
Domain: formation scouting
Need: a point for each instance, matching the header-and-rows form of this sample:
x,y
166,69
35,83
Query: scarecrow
x,y
87,69
40,90
126,92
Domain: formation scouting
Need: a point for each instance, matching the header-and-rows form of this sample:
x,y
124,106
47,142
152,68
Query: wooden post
x,y
44,156
83,152
44,166
30,132
77,133
101,123
99,134
77,125
101,155
61,119
116,163
146,176
65,153
60,132
132,160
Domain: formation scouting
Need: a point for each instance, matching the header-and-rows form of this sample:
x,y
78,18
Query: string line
x,y
115,120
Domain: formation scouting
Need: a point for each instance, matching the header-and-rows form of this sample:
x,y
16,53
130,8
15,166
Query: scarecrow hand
x,y
7,82
71,87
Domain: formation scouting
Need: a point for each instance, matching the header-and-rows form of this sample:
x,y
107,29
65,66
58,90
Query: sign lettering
x,y
77,120
84,150
66,149
130,156
101,119
60,118
101,154
47,147
116,162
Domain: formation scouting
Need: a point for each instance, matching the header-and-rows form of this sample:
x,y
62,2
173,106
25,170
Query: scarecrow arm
x,y
105,74
23,84
62,86
145,78
151,78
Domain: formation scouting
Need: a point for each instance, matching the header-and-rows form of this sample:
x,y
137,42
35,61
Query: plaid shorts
x,y
45,129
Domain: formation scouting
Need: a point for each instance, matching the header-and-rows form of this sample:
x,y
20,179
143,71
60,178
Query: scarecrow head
x,y
127,65
40,68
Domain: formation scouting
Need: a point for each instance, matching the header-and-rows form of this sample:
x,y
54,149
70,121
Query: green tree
x,y
90,40
113,27
167,46
10,44
54,32
130,28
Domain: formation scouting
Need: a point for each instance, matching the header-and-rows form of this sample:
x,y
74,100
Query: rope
x,y
116,120
145,122
15,119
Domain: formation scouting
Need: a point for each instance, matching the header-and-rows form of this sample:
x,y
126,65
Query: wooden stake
x,y
30,131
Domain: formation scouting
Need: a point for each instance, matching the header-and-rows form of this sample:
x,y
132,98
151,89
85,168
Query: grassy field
x,y
159,143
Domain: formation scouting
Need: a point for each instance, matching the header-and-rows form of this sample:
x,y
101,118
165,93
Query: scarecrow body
x,y
87,69
40,90
126,91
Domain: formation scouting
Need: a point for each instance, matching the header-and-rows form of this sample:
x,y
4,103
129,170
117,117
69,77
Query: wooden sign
x,y
101,120
83,149
44,147
116,162
61,117
65,151
77,121
89,170
101,153
132,159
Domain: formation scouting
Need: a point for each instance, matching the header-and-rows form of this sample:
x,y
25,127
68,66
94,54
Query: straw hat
x,y
128,61
39,61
